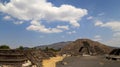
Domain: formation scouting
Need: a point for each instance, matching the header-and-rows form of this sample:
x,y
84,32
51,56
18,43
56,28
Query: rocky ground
x,y
87,61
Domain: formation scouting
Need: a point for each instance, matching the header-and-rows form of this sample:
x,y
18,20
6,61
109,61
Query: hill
x,y
58,45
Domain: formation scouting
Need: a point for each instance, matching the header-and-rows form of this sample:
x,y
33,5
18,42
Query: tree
x,y
52,49
46,49
4,47
20,47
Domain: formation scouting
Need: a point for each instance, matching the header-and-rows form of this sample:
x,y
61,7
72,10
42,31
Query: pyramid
x,y
85,47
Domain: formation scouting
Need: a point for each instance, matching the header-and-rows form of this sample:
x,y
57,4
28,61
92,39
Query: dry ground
x,y
52,61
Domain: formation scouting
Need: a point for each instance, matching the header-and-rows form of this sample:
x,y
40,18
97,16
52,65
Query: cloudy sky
x,y
39,22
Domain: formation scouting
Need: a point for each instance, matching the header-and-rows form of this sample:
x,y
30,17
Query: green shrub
x,y
4,47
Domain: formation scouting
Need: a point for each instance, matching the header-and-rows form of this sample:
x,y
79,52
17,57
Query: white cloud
x,y
97,38
113,42
63,27
71,32
98,23
101,14
37,26
113,25
89,18
7,17
18,22
42,10
117,34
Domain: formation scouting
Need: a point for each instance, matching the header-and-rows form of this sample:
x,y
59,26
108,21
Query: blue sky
x,y
38,22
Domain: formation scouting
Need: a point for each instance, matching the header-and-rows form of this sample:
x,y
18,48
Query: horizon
x,y
55,43
32,23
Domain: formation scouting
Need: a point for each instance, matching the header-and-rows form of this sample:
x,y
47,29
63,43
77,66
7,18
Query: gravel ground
x,y
87,61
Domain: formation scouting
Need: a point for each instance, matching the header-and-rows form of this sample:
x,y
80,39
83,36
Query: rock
x,y
64,63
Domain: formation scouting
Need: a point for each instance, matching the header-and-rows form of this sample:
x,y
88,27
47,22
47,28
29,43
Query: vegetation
x,y
51,49
20,47
46,49
4,47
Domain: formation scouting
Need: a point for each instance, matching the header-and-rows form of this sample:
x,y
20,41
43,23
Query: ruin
x,y
22,58
35,56
85,47
114,54
12,58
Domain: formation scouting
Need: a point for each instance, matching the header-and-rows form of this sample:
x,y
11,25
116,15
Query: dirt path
x,y
52,61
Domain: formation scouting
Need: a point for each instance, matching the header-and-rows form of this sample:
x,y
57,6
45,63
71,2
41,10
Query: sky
x,y
32,23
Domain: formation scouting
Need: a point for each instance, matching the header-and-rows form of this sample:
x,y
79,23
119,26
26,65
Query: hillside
x,y
54,45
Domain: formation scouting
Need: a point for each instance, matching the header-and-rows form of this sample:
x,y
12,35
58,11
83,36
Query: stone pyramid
x,y
85,47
